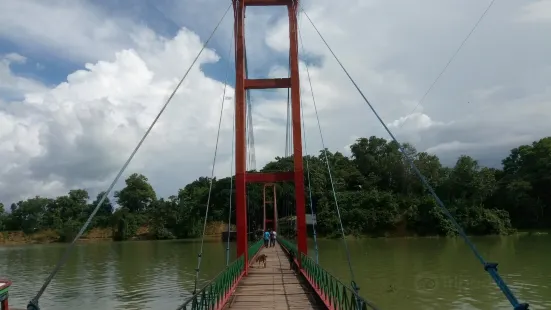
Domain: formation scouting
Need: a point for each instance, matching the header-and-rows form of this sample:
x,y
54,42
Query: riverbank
x,y
51,236
214,230
93,235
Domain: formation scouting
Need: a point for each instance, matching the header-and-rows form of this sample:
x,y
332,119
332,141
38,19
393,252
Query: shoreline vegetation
x,y
214,230
378,194
15,238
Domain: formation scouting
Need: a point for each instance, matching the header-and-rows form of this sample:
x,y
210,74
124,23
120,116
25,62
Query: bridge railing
x,y
254,248
216,293
334,293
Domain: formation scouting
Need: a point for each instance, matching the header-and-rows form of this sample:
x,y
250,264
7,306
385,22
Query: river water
x,y
423,273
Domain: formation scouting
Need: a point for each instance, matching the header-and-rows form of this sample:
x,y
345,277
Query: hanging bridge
x,y
291,279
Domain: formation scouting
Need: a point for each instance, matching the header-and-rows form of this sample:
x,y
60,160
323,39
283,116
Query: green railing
x,y
331,289
216,291
254,248
288,245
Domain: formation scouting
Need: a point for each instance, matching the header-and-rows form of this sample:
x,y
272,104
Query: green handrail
x,y
288,245
212,294
336,293
254,248
339,295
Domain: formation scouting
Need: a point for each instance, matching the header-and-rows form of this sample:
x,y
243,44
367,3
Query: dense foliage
x,y
377,191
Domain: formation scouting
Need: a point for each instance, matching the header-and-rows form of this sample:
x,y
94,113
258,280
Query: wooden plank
x,y
274,287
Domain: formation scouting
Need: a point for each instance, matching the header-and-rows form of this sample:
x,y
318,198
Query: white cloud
x,y
79,133
538,11
11,84
495,90
494,96
70,30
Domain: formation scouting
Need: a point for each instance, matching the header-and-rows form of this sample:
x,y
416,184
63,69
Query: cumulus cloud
x,y
68,30
78,133
493,96
538,11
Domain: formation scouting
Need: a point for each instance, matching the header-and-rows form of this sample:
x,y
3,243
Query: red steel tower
x,y
241,85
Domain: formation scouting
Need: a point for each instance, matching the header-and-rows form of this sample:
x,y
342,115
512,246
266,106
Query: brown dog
x,y
261,259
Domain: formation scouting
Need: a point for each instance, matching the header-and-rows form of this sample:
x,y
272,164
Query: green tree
x,y
378,194
138,195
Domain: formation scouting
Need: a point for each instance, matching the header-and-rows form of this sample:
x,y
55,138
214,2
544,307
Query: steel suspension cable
x,y
231,192
33,304
354,285
288,129
491,268
314,219
288,144
231,177
250,132
449,61
200,254
309,184
251,162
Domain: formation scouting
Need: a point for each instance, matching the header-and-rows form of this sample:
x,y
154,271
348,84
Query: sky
x,y
81,81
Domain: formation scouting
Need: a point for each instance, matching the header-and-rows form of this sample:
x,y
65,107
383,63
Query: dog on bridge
x,y
261,259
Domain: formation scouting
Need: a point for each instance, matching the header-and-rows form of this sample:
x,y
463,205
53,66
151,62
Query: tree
x,y
105,211
138,194
377,190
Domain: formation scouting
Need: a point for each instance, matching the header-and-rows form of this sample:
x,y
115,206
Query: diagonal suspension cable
x,y
33,304
231,191
491,268
288,145
314,220
288,128
250,133
309,184
449,62
250,149
231,168
354,285
200,254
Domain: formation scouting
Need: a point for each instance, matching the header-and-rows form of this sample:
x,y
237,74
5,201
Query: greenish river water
x,y
424,274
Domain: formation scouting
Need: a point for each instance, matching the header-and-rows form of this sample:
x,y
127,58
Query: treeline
x,y
377,191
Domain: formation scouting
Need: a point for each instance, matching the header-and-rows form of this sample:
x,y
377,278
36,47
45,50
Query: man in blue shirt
x,y
266,238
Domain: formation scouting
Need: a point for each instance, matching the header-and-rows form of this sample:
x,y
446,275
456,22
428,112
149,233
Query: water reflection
x,y
427,273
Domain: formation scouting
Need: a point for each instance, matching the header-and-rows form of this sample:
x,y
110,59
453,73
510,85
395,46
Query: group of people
x,y
270,237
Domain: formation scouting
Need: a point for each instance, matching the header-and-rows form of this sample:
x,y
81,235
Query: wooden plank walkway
x,y
275,287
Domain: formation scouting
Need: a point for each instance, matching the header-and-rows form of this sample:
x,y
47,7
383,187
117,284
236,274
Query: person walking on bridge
x,y
266,238
273,238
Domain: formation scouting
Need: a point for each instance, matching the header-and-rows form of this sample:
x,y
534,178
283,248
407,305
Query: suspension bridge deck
x,y
274,287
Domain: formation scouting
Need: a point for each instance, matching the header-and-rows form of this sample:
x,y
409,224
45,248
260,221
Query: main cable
x,y
491,268
33,304
347,250
314,221
309,185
